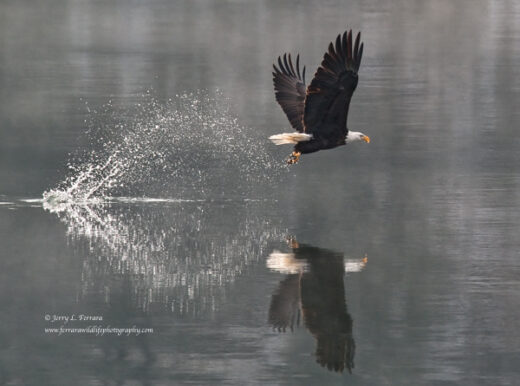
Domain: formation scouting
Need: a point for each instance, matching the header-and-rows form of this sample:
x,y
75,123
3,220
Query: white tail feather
x,y
285,263
294,138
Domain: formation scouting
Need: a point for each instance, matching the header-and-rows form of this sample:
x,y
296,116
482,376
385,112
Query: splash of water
x,y
190,146
117,203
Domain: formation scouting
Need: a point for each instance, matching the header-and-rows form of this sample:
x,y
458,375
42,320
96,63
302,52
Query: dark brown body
x,y
320,143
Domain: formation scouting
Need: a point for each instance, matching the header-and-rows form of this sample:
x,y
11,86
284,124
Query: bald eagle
x,y
314,290
319,112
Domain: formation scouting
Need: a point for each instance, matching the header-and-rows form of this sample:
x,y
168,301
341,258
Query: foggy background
x,y
438,75
433,201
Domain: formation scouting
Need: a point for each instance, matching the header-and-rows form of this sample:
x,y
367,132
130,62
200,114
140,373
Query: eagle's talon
x,y
293,158
291,241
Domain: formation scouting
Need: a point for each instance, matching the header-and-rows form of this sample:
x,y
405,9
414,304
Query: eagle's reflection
x,y
314,289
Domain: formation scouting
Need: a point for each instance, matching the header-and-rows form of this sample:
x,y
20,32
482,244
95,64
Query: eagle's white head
x,y
353,136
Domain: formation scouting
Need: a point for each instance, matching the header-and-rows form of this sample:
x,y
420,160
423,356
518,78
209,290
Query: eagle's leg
x,y
294,157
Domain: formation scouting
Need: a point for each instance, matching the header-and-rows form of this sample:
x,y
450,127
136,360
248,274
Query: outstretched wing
x,y
289,86
328,95
284,310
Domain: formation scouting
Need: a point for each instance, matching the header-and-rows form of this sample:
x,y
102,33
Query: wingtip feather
x,y
293,73
349,45
356,48
338,46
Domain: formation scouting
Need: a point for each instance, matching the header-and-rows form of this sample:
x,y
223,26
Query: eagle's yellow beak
x,y
366,139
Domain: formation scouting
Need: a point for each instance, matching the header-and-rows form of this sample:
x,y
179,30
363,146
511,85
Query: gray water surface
x,y
396,262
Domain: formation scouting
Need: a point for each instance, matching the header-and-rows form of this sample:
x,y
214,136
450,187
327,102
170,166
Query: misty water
x,y
137,186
